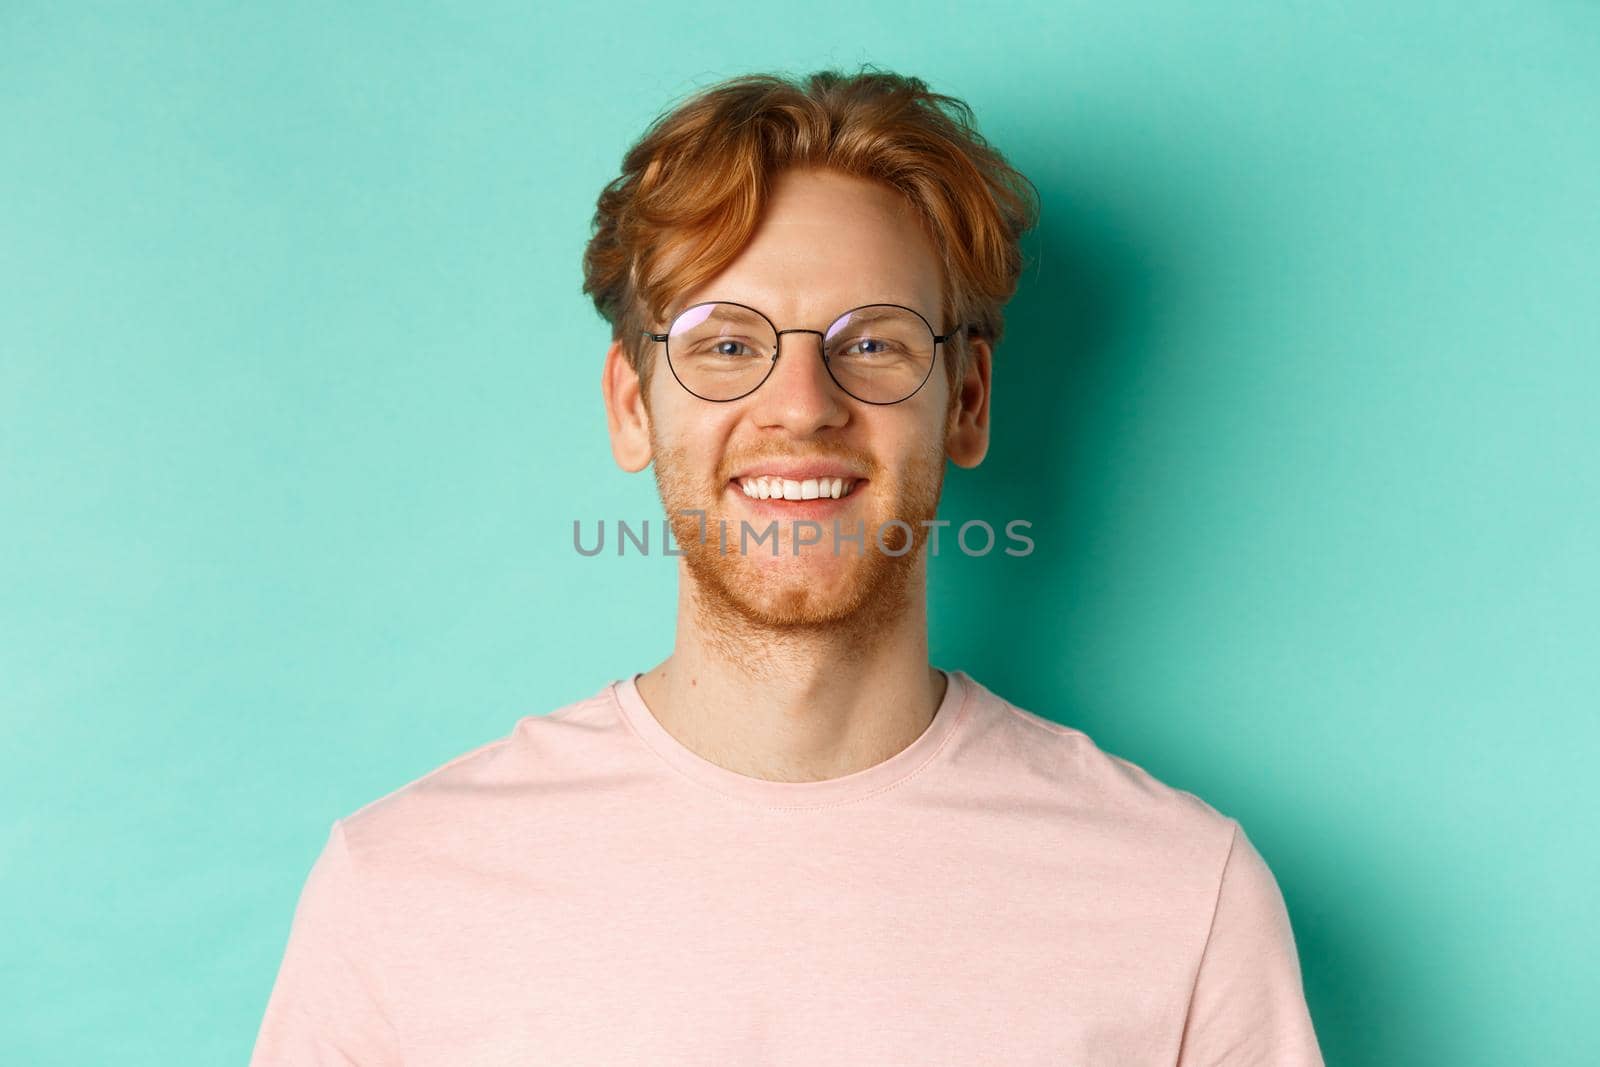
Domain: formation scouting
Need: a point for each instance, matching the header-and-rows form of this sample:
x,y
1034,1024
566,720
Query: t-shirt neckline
x,y
771,794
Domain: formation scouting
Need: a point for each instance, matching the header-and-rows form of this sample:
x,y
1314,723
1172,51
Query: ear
x,y
627,414
968,438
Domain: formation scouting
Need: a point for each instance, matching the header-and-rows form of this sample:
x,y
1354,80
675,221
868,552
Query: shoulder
x,y
1103,791
457,799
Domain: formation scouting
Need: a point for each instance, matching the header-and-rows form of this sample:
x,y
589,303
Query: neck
x,y
796,705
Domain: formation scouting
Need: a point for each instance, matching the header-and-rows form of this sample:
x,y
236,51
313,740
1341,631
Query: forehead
x,y
826,242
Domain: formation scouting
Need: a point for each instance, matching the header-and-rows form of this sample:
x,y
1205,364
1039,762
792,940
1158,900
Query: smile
x,y
771,487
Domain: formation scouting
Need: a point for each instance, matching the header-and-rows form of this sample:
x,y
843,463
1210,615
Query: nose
x,y
799,395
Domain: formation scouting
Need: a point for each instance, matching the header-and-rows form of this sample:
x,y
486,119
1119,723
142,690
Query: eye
x,y
727,347
877,347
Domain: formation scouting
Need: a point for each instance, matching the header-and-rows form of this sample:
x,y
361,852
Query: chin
x,y
813,589
795,607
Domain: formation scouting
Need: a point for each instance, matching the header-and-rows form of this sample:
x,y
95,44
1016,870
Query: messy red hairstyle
x,y
693,189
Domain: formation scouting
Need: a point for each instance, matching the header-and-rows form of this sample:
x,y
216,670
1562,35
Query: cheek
x,y
911,441
694,441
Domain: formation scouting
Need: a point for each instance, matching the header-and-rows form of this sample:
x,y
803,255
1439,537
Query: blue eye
x,y
858,347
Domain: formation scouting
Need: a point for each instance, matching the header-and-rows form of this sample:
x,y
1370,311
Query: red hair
x,y
694,186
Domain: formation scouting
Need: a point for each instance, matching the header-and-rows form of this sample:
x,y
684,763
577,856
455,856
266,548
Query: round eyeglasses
x,y
877,353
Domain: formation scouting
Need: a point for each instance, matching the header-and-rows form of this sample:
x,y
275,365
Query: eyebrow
x,y
881,313
866,317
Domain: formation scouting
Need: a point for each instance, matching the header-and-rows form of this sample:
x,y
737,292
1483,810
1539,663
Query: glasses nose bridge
x,y
822,353
778,350
822,347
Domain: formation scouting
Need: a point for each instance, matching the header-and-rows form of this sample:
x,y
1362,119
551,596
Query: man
x,y
795,841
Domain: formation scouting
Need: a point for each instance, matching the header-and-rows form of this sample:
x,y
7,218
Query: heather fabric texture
x,y
585,890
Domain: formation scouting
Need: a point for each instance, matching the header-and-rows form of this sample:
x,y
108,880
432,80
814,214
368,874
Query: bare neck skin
x,y
796,707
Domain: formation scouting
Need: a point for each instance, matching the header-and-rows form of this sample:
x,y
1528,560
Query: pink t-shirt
x,y
586,890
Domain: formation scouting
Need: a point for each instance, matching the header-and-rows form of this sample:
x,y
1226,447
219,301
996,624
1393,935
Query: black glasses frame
x,y
777,350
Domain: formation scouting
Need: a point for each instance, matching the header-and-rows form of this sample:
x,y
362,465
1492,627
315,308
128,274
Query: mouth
x,y
770,497
773,487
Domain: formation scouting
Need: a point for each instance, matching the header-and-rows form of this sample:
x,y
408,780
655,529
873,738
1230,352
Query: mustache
x,y
839,453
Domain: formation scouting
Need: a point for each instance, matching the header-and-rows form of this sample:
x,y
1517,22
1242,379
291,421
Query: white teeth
x,y
768,487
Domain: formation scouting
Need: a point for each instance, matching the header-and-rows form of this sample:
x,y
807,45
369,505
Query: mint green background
x,y
299,399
